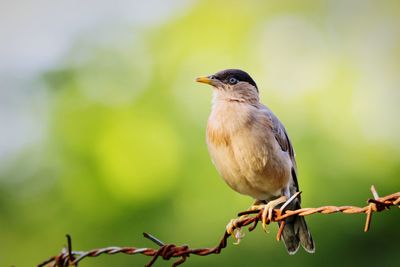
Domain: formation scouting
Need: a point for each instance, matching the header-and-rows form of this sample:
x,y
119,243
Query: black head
x,y
232,76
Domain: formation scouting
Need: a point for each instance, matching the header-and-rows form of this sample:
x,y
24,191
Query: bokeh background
x,y
103,127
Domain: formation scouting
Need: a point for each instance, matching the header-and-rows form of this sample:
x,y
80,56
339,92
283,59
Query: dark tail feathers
x,y
295,233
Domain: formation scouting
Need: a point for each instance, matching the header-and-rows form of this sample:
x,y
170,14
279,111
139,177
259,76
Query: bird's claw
x,y
233,229
231,226
236,232
268,211
266,218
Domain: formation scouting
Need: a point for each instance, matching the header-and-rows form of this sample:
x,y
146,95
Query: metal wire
x,y
68,257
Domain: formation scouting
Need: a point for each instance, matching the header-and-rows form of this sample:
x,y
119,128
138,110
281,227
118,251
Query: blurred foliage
x,y
125,153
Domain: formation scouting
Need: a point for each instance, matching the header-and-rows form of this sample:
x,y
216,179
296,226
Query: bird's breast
x,y
243,149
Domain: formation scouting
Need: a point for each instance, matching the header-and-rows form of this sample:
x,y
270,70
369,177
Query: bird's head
x,y
232,84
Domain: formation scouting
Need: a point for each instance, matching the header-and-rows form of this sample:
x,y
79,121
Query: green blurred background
x,y
103,126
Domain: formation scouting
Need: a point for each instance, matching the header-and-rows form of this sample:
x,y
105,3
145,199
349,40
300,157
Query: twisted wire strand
x,y
68,257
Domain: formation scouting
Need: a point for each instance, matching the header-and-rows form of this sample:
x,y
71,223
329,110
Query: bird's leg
x,y
232,227
268,209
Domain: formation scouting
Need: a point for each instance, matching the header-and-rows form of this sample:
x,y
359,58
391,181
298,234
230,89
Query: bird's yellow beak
x,y
203,79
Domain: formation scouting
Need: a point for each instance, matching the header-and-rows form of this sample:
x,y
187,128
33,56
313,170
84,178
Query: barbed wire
x,y
68,257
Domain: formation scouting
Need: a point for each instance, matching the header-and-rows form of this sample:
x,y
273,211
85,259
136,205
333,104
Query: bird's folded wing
x,y
283,140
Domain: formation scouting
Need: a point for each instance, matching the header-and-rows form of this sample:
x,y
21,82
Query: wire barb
x,y
68,257
154,239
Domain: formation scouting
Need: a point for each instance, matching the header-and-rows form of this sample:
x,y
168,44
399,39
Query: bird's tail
x,y
295,233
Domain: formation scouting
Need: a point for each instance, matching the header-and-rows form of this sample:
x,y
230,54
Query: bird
x,y
251,150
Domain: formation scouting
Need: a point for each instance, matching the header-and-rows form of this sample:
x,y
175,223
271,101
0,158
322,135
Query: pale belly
x,y
250,165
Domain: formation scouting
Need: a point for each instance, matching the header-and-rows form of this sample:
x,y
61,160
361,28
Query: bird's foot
x,y
233,229
268,210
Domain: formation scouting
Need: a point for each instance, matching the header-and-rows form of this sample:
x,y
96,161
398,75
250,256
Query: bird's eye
x,y
232,80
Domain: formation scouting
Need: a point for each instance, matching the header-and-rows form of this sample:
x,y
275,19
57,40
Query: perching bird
x,y
252,151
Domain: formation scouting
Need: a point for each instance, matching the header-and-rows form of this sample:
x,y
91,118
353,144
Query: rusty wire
x,y
68,257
